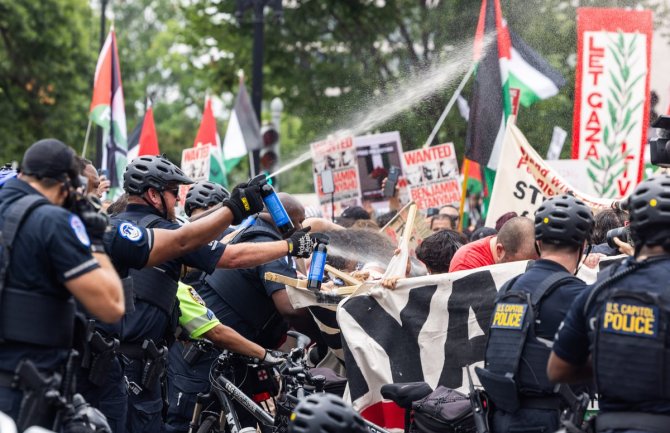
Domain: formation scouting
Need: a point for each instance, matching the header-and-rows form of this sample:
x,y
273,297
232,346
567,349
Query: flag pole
x,y
450,105
88,132
464,193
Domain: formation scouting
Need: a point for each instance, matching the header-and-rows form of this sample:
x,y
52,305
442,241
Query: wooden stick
x,y
395,217
409,227
283,279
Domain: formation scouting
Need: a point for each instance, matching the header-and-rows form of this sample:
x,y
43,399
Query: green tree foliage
x,y
45,72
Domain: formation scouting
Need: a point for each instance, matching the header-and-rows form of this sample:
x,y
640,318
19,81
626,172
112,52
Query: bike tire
x,y
207,426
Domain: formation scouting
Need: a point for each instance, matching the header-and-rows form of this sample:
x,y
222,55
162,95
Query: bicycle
x,y
215,412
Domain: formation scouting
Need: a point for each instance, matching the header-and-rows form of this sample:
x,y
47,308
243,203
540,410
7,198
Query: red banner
x,y
612,96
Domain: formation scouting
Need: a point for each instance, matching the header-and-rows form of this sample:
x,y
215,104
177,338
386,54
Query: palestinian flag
x,y
506,62
144,140
209,136
108,111
244,133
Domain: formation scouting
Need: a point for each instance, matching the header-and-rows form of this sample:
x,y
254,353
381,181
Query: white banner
x,y
524,180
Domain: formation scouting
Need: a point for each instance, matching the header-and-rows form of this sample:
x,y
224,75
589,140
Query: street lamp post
x,y
258,7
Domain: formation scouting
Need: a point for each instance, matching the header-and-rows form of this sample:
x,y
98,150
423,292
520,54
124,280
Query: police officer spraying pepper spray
x,y
527,313
49,255
152,185
617,332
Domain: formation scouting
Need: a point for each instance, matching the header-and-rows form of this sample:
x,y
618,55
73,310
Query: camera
x,y
623,233
659,148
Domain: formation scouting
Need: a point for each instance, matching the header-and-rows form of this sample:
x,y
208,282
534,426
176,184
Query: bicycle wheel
x,y
209,425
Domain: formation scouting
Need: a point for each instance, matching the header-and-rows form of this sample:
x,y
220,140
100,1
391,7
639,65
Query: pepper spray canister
x,y
318,263
276,209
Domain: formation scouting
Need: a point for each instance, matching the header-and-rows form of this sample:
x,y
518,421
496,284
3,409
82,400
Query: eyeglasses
x,y
174,191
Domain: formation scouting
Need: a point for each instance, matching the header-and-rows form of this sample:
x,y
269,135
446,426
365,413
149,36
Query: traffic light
x,y
269,156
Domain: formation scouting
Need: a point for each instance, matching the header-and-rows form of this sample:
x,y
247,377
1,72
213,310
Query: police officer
x,y
200,331
527,313
202,196
49,255
101,379
151,183
255,307
617,332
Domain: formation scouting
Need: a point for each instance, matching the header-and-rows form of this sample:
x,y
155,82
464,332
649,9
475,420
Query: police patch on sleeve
x,y
509,316
79,230
130,231
195,296
630,319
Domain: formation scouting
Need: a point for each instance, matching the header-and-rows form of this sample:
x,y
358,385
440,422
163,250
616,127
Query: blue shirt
x,y
51,248
148,321
575,338
242,298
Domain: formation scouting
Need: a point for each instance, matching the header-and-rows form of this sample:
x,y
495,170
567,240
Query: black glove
x,y
273,357
96,222
300,243
244,201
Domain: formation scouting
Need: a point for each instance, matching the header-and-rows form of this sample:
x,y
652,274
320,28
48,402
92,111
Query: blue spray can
x,y
318,264
276,209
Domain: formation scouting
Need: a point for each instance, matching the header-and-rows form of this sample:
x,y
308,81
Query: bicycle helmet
x,y
152,172
563,220
649,211
325,413
204,194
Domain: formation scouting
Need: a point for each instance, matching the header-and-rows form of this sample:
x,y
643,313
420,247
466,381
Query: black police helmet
x,y
152,172
649,211
563,220
325,413
203,195
52,159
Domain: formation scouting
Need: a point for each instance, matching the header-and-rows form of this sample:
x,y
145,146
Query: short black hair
x,y
437,250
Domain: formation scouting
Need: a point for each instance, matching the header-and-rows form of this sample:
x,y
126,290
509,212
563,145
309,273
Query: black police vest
x,y
267,331
25,316
513,350
152,285
631,342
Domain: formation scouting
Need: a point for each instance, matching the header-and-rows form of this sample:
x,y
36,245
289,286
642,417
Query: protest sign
x,y
395,228
612,96
432,176
338,156
195,163
524,180
376,153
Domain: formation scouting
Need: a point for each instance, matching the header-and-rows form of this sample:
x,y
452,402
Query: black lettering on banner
x,y
477,291
399,341
520,193
535,194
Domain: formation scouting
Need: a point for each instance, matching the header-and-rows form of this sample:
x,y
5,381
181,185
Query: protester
x,y
351,214
514,242
442,222
519,348
453,212
503,219
437,250
606,220
56,254
615,330
481,233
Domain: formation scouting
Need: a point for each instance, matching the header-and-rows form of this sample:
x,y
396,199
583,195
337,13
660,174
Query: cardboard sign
x,y
339,156
195,162
524,180
375,154
432,176
612,96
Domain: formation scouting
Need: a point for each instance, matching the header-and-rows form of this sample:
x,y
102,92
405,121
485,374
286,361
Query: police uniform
x,y
37,311
242,298
507,349
186,378
154,317
101,379
623,326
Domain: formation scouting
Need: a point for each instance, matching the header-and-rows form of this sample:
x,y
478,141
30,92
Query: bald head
x,y
516,240
294,209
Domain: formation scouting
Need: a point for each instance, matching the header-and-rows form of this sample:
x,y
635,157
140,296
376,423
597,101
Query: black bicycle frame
x,y
229,390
